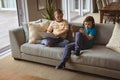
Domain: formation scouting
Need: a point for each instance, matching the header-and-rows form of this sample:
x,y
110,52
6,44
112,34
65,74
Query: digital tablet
x,y
44,35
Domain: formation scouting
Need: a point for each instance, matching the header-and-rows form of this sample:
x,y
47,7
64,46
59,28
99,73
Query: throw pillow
x,y
72,31
114,42
26,30
35,29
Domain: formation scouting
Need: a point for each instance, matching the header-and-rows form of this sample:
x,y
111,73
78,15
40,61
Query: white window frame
x,y
22,11
80,9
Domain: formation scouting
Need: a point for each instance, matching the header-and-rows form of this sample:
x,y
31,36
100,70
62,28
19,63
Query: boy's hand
x,y
82,30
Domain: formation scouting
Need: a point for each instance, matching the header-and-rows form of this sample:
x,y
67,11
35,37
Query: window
x,y
75,8
76,4
8,4
8,20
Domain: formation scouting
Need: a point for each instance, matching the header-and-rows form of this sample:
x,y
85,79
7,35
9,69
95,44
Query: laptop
x,y
45,35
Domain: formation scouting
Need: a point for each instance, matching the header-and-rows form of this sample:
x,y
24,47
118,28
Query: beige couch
x,y
98,60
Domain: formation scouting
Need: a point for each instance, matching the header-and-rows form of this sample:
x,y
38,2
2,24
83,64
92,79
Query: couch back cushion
x,y
73,28
104,32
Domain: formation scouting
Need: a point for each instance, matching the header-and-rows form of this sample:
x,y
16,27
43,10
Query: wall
x,y
34,13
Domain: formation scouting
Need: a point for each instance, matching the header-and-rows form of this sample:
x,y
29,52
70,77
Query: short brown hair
x,y
58,11
90,18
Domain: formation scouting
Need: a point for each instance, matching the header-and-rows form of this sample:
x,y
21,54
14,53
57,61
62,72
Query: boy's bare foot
x,y
34,42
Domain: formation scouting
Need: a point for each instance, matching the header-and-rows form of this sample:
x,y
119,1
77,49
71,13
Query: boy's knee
x,y
66,42
68,47
79,34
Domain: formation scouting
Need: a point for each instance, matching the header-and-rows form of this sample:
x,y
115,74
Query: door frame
x,y
22,10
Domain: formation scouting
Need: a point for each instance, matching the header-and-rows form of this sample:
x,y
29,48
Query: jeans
x,y
54,42
81,43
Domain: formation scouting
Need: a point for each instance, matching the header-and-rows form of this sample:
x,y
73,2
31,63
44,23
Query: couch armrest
x,y
17,38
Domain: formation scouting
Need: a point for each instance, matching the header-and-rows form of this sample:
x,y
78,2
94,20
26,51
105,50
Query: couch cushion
x,y
35,29
114,42
104,32
26,29
41,50
73,28
99,56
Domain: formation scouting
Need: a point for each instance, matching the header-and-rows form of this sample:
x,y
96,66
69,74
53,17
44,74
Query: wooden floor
x,y
12,75
8,20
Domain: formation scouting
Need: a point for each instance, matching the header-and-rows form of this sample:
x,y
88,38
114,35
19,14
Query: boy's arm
x,y
50,29
65,30
89,36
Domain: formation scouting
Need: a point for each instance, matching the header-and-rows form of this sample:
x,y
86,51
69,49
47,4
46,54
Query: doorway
x,y
8,20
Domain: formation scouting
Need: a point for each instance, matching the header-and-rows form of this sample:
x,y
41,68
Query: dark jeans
x,y
81,43
53,42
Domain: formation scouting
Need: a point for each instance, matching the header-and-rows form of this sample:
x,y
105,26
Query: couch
x,y
98,60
